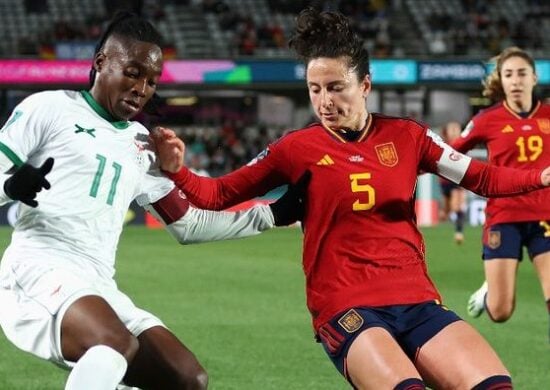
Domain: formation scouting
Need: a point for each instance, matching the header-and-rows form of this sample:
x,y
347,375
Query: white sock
x,y
100,368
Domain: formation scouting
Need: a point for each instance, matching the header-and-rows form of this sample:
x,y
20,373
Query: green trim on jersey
x,y
16,115
102,112
11,155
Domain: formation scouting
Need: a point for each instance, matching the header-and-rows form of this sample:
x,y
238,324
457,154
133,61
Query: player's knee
x,y
501,382
410,384
126,344
501,313
192,379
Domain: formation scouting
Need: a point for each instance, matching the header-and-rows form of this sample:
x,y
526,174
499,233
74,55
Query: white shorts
x,y
34,296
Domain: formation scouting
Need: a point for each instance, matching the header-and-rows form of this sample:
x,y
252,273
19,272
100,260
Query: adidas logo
x,y
508,129
326,160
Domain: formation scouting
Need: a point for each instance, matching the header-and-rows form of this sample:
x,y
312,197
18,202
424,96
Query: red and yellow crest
x,y
387,155
351,321
544,125
493,240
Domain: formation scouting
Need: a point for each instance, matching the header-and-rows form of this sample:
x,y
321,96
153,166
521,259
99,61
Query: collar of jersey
x,y
532,113
363,131
103,112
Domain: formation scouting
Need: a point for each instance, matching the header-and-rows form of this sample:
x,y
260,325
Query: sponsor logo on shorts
x,y
351,321
494,240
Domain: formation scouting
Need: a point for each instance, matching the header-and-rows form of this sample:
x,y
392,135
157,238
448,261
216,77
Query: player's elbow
x,y
184,239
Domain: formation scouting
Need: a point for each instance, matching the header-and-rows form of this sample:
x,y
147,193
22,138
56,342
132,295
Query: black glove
x,y
27,181
289,208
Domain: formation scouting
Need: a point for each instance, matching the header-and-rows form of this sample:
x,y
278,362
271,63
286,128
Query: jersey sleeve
x,y
498,181
3,197
154,186
269,170
470,136
483,179
198,225
26,130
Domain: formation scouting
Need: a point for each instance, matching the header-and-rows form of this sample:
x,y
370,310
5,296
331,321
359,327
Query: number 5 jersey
x,y
361,243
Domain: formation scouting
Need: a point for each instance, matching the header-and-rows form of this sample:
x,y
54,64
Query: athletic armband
x,y
172,207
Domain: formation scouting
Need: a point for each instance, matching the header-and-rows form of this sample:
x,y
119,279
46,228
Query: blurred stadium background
x,y
229,87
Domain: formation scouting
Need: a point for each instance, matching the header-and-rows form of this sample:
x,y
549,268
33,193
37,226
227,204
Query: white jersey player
x,y
58,297
101,166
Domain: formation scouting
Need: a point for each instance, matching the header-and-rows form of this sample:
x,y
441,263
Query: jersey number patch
x,y
358,185
99,174
530,148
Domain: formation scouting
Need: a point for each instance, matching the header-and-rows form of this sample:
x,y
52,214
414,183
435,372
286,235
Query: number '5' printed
x,y
358,185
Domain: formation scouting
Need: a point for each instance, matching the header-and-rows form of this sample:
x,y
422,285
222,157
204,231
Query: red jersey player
x,y
374,307
516,133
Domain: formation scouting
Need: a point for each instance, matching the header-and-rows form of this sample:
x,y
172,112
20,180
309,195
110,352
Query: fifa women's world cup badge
x,y
142,147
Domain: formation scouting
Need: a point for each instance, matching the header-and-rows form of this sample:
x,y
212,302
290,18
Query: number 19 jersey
x,y
512,141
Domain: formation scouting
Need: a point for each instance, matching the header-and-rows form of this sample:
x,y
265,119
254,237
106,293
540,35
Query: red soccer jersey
x,y
512,141
361,244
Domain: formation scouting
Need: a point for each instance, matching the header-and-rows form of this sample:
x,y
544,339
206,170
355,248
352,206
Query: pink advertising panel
x,y
76,72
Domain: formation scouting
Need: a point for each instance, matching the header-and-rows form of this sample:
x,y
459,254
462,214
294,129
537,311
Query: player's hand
x,y
290,207
545,176
170,149
27,181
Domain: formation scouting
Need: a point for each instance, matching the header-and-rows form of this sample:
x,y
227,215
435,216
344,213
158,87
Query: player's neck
x,y
521,107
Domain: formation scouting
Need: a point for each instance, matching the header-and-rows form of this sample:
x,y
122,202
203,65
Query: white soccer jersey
x,y
101,165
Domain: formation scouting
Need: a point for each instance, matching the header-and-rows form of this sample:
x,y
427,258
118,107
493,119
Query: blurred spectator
x,y
94,27
214,6
27,46
112,6
248,41
36,6
64,31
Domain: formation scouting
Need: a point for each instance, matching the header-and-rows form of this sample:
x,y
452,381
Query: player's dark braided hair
x,y
129,25
329,34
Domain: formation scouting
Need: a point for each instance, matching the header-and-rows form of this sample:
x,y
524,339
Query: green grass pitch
x,y
239,305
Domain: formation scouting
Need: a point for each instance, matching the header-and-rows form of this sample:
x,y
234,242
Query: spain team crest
x,y
493,241
544,125
351,321
387,155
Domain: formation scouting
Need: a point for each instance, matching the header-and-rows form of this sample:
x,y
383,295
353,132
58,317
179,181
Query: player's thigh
x,y
90,321
38,295
110,318
376,361
501,280
458,357
542,266
164,362
134,318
